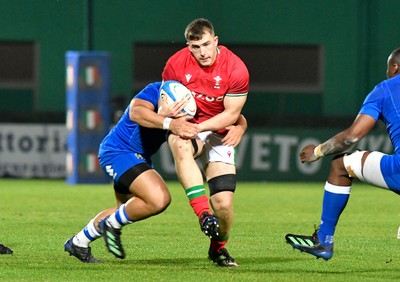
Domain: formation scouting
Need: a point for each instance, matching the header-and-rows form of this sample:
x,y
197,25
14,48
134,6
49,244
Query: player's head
x,y
393,64
202,42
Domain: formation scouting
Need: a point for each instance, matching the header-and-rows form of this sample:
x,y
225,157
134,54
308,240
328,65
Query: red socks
x,y
200,205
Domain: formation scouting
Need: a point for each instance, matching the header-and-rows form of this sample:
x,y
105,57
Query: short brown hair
x,y
197,28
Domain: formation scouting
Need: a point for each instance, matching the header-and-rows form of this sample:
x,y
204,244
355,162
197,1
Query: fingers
x,y
306,155
178,106
174,109
187,135
232,141
184,129
233,137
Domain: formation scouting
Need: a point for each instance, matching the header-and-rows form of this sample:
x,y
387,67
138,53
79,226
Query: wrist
x,y
166,123
318,151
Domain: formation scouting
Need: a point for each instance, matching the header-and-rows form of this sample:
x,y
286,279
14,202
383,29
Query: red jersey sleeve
x,y
239,77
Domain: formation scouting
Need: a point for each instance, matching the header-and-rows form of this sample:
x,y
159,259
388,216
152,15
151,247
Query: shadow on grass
x,y
196,262
261,265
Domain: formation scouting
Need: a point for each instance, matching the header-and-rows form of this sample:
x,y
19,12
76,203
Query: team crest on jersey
x,y
188,77
217,80
139,156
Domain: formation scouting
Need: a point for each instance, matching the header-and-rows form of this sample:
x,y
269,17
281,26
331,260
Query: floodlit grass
x,y
38,216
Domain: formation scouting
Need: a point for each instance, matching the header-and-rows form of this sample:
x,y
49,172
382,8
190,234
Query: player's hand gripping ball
x,y
173,91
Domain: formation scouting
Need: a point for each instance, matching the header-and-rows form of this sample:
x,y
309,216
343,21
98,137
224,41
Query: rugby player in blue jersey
x,y
375,168
125,155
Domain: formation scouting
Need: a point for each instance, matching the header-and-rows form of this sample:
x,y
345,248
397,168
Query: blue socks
x,y
335,200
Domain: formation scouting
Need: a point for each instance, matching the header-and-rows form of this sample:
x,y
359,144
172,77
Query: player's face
x,y
205,49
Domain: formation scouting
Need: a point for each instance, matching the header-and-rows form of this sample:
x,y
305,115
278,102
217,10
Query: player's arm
x,y
143,113
233,106
341,142
235,132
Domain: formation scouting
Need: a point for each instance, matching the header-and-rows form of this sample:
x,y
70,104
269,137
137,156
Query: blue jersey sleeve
x,y
372,105
150,93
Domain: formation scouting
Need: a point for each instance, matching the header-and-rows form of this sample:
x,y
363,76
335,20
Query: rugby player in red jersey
x,y
219,81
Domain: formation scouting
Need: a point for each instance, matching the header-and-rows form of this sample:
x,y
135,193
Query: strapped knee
x,y
226,182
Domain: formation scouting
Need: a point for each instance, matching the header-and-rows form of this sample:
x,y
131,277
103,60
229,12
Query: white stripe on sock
x,y
92,230
337,189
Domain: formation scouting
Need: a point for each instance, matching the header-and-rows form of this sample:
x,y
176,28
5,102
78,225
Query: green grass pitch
x,y
38,216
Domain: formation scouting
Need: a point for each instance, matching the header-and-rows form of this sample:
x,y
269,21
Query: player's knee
x,y
226,182
160,203
180,147
161,206
337,166
222,205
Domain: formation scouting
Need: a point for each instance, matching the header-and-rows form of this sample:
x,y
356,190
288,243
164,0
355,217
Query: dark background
x,y
311,62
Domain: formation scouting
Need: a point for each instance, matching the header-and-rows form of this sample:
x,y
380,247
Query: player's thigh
x,y
215,169
182,148
151,186
133,176
117,165
217,158
365,166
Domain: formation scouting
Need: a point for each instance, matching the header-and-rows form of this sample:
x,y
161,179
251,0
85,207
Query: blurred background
x,y
311,65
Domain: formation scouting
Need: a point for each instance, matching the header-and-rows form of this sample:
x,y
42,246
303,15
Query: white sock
x,y
119,218
86,235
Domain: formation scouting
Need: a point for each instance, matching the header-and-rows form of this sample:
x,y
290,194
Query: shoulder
x,y
181,54
234,62
384,88
152,88
176,64
150,92
224,51
177,59
391,83
238,72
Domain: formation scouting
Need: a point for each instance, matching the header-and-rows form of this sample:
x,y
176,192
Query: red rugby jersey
x,y
209,85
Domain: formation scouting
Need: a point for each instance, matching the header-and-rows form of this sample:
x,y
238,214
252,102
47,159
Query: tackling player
x,y
125,155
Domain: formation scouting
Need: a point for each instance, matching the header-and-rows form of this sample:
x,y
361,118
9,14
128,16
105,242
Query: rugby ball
x,y
173,91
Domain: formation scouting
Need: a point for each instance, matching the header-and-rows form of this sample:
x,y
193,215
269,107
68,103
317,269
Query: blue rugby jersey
x,y
128,136
383,102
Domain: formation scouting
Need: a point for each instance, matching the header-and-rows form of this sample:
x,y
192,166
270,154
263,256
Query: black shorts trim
x,y
126,179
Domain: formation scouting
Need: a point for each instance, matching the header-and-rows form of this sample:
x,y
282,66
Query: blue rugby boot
x,y
310,244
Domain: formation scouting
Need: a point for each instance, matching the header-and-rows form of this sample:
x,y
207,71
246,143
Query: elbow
x,y
349,141
133,115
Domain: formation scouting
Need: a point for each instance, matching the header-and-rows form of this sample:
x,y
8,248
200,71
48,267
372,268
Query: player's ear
x,y
395,68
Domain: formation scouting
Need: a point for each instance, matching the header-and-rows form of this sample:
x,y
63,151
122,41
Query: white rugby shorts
x,y
214,150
